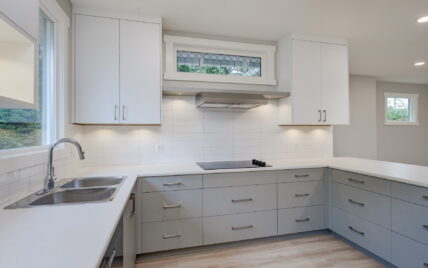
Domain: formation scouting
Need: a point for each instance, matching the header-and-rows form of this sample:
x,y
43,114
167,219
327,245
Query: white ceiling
x,y
384,38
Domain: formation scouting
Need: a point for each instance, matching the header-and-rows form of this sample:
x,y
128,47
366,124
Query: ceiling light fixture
x,y
423,19
420,63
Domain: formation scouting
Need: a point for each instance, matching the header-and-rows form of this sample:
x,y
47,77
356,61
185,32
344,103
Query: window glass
x,y
209,63
398,109
34,127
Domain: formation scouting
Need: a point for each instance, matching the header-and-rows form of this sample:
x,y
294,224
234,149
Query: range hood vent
x,y
229,100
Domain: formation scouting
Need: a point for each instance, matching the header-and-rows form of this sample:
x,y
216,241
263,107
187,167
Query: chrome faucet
x,y
49,182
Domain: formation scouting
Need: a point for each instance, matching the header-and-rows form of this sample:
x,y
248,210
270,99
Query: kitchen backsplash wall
x,y
189,134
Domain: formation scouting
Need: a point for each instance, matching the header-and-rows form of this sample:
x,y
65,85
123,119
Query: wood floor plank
x,y
318,251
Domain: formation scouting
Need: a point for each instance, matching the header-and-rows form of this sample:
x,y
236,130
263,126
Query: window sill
x,y
401,123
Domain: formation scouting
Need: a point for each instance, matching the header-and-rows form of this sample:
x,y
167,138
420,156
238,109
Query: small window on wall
x,y
401,109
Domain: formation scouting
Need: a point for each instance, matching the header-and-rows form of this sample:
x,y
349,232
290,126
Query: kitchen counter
x,y
77,235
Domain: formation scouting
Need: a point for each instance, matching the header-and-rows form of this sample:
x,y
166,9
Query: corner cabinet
x,y
315,72
117,69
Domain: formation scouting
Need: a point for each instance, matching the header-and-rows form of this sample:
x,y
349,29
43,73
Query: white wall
x,y
405,144
359,139
191,134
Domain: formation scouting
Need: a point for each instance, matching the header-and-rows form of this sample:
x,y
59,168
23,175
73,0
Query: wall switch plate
x,y
159,148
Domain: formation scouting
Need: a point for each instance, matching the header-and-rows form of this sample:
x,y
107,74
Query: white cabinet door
x,y
334,84
96,70
24,13
140,72
306,84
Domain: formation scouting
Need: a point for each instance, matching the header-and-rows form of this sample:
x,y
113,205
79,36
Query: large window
x,y
401,109
34,127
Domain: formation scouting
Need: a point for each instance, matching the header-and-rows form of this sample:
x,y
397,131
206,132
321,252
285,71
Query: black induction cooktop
x,y
232,164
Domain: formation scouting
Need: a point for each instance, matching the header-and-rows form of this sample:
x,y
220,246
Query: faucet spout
x,y
49,182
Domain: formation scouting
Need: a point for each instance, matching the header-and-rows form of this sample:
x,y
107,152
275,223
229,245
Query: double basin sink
x,y
76,190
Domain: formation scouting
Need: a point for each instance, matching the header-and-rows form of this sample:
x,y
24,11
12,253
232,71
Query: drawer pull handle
x,y
172,183
302,220
425,197
301,175
242,200
356,203
425,226
242,227
166,236
301,195
165,206
356,231
356,181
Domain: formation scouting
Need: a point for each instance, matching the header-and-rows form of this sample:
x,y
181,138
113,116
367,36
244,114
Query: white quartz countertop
x,y
78,235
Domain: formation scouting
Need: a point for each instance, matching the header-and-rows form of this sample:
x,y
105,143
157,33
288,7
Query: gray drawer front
x,y
171,205
296,220
220,229
239,179
222,201
300,194
295,175
407,253
410,220
370,236
159,236
170,183
361,181
371,206
411,193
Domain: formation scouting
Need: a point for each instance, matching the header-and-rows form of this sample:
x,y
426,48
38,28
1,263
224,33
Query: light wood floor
x,y
315,251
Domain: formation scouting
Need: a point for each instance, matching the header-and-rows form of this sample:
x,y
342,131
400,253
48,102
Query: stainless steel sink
x,y
75,196
92,182
75,191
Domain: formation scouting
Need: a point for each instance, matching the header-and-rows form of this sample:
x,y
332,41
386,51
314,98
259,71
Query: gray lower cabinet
x,y
407,253
166,235
303,219
368,235
235,227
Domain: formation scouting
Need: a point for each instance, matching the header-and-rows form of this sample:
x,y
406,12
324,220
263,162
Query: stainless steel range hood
x,y
229,100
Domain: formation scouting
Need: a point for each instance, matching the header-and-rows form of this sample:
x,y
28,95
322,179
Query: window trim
x,y
414,110
179,43
60,76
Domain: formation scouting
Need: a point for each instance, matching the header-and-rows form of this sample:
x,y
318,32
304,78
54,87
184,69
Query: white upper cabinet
x,y
96,70
24,13
315,72
117,71
140,67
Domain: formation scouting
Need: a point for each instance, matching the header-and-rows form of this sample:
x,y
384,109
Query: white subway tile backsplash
x,y
189,134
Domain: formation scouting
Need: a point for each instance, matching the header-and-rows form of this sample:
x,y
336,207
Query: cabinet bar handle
x,y
301,195
355,230
172,183
116,110
242,200
355,202
242,227
165,236
124,112
132,197
356,181
301,175
325,115
425,197
165,206
302,220
425,226
320,118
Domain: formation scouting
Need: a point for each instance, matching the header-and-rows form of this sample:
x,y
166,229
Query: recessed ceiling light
x,y
420,63
423,19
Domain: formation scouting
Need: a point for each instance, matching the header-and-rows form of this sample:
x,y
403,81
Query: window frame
x,y
179,43
413,105
60,77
